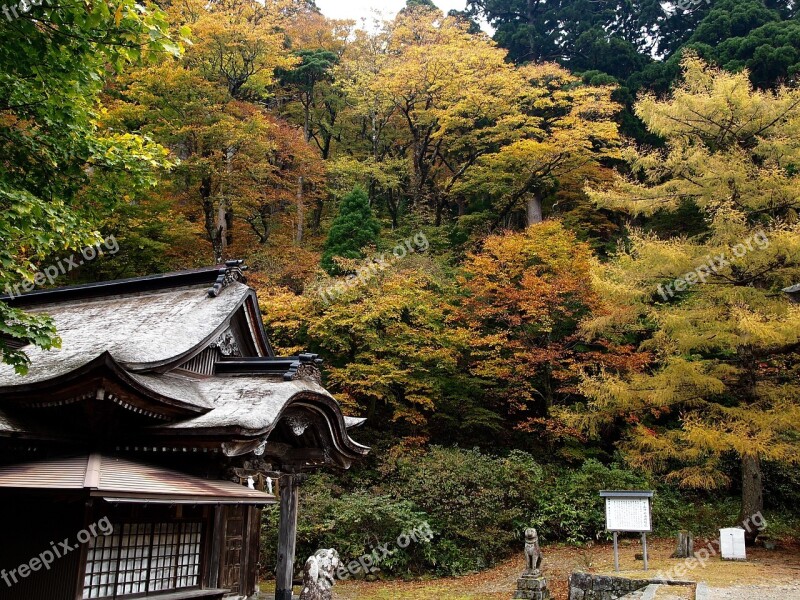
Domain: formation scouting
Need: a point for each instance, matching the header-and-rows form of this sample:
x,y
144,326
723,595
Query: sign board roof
x,y
625,494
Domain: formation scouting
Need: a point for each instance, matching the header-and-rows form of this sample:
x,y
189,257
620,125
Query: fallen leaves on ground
x,y
763,566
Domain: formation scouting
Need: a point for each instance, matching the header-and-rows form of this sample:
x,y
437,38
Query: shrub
x,y
478,506
352,523
569,507
477,502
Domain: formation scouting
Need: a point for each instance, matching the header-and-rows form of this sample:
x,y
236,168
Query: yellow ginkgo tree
x,y
567,130
434,95
724,382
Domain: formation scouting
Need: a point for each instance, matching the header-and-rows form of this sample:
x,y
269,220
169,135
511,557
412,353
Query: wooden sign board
x,y
628,511
628,514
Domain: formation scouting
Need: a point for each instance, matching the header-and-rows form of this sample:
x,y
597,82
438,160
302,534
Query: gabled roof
x,y
186,351
141,326
211,277
252,405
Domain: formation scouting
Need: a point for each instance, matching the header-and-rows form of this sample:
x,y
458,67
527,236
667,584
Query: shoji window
x,y
139,558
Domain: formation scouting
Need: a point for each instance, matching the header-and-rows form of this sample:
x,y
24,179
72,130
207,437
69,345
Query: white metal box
x,y
731,543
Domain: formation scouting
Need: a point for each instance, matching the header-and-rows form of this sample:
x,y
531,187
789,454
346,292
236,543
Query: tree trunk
x,y
752,478
307,118
416,181
752,493
685,548
210,218
393,208
300,209
301,216
222,231
327,133
534,208
316,214
224,219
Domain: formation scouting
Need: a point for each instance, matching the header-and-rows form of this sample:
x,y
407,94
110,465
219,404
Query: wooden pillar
x,y
88,516
644,549
216,547
287,537
252,544
685,548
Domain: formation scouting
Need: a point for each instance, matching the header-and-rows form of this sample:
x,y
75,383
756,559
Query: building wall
x,y
30,528
238,535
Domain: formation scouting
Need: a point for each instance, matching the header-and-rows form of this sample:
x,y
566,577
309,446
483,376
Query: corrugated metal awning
x,y
121,480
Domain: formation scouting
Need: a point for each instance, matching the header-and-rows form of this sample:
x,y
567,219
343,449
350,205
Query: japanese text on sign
x,y
628,514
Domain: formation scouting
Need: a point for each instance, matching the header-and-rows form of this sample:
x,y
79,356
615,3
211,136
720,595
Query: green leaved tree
x,y
353,229
60,168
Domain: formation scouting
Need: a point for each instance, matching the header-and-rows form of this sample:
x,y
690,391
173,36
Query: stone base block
x,y
532,588
531,595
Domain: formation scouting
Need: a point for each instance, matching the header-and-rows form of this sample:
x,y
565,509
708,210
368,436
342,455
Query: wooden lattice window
x,y
139,558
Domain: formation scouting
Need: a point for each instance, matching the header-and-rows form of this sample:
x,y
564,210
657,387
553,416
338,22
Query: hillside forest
x,y
540,263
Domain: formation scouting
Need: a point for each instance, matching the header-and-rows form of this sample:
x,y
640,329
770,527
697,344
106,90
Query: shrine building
x,y
136,458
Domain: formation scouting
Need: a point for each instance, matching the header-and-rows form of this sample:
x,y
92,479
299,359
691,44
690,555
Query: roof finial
x,y
232,271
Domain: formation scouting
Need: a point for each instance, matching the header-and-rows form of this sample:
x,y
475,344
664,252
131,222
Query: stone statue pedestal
x,y
532,586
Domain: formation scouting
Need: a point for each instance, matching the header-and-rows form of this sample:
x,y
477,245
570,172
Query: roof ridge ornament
x,y
307,366
226,344
232,271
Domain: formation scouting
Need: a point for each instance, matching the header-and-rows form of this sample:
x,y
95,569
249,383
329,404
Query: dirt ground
x,y
763,568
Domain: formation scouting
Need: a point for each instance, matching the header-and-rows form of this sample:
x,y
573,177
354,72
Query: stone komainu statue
x,y
318,575
533,555
532,585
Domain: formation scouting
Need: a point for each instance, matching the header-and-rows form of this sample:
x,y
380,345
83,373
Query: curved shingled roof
x,y
141,331
132,339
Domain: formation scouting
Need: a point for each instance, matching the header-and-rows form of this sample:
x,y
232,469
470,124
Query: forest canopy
x,y
561,247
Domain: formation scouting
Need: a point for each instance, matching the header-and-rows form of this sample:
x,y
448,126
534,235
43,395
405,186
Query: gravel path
x,y
671,592
756,592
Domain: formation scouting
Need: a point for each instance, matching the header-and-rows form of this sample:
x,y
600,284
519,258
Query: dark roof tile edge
x,y
211,276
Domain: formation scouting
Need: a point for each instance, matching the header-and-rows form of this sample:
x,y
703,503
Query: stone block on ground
x,y
576,594
685,545
530,587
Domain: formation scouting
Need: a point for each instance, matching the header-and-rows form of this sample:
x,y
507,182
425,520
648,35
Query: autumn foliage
x,y
531,320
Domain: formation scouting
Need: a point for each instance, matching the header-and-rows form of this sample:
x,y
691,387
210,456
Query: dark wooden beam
x,y
287,536
253,539
215,558
87,520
